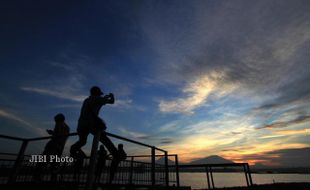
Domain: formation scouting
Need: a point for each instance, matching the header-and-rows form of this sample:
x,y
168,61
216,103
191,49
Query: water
x,y
199,180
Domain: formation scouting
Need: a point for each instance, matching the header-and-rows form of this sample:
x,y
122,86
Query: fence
x,y
148,173
210,168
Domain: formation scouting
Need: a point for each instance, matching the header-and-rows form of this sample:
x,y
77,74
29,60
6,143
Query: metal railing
x,y
130,172
136,170
209,169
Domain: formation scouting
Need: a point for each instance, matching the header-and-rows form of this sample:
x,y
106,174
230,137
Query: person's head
x,y
59,118
95,91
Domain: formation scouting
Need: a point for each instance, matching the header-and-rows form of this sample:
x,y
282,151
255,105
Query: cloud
x,y
72,96
204,138
133,134
262,50
25,124
55,93
286,157
166,140
170,126
75,75
196,93
284,133
75,105
291,157
298,120
13,117
127,103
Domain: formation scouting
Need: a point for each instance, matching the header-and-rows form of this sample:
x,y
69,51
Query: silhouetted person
x,y
60,135
78,164
102,157
89,122
114,164
57,143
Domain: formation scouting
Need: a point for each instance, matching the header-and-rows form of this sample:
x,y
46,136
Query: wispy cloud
x,y
292,132
68,84
166,141
13,117
298,120
133,134
170,127
24,124
55,93
196,93
254,59
290,156
126,103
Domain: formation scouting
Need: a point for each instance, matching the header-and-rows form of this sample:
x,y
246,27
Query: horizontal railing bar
x,y
74,134
211,165
49,137
13,160
151,155
11,154
133,141
12,138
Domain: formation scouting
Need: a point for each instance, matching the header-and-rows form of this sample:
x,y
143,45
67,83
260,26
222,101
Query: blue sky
x,y
194,77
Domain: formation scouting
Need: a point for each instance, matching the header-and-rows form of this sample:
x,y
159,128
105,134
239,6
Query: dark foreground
x,y
275,186
50,186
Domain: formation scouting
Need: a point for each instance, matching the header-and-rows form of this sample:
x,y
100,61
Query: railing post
x,y
153,167
246,175
249,173
166,169
18,162
131,170
92,161
211,175
177,170
207,170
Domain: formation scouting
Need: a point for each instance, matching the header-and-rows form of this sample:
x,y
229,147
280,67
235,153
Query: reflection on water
x,y
199,180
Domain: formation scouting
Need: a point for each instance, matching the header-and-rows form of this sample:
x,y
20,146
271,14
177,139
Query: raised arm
x,y
108,99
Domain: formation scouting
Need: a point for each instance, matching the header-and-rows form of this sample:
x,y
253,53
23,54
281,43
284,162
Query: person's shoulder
x,y
87,99
94,98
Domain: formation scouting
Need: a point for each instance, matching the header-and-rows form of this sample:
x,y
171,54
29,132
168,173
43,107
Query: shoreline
x,y
273,186
252,172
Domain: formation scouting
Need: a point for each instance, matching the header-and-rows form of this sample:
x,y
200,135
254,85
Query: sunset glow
x,y
197,78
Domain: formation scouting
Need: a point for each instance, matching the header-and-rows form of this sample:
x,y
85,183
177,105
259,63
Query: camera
x,y
110,95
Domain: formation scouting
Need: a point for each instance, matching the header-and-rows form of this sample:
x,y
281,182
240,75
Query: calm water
x,y
199,180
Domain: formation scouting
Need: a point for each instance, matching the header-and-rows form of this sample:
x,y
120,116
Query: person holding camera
x,y
90,122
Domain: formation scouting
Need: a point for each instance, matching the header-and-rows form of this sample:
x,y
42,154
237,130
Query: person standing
x,y
54,147
101,163
90,122
59,136
115,162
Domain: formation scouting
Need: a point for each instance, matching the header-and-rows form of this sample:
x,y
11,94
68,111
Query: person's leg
x,y
98,170
104,139
113,169
83,134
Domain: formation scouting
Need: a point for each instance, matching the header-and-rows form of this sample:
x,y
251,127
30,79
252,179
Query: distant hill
x,y
260,166
162,161
214,159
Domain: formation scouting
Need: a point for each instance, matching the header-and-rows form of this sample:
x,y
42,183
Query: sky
x,y
196,78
